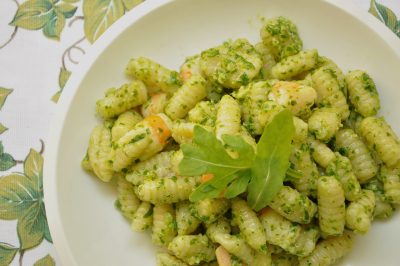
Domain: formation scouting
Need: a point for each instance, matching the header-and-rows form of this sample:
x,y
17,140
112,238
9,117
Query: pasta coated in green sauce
x,y
343,169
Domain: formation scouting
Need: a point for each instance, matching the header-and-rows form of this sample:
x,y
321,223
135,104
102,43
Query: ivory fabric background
x,y
41,42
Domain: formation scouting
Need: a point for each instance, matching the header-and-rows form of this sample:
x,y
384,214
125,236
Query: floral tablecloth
x,y
41,42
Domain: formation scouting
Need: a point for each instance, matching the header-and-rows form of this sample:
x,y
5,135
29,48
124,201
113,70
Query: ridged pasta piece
x,y
329,91
165,259
167,190
100,153
301,161
287,235
203,113
232,64
305,243
353,121
155,76
186,97
212,263
192,249
147,138
190,67
350,144
284,260
183,132
237,246
154,105
85,163
124,123
209,210
331,206
252,99
301,130
383,208
359,213
117,101
186,222
143,217
341,168
263,259
228,117
324,123
381,138
280,35
362,93
338,73
268,60
274,249
157,166
248,138
176,159
320,152
250,226
391,184
328,251
220,226
293,206
294,65
278,230
294,96
164,225
127,198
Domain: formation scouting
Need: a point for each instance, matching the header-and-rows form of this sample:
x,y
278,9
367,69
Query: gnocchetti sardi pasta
x,y
344,158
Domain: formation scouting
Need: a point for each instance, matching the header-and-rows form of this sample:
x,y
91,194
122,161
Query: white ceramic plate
x,y
86,228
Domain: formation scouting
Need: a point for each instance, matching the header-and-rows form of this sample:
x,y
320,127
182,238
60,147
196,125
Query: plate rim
x,y
56,126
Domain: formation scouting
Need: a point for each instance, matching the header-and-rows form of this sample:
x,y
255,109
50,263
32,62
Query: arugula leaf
x,y
272,160
239,185
208,155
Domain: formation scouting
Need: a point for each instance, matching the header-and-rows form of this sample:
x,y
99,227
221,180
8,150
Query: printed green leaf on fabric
x,y
71,1
33,166
31,226
386,15
63,77
48,15
7,253
272,160
33,14
17,195
45,261
67,10
2,128
129,4
21,198
55,26
100,15
6,160
3,95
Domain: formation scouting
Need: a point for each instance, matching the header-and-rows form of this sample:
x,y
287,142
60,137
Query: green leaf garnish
x,y
208,155
262,174
272,160
239,185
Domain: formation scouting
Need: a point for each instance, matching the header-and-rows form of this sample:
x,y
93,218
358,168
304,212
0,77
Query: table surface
x,y
41,42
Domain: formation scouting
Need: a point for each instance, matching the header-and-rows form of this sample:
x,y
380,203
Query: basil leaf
x,y
272,160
